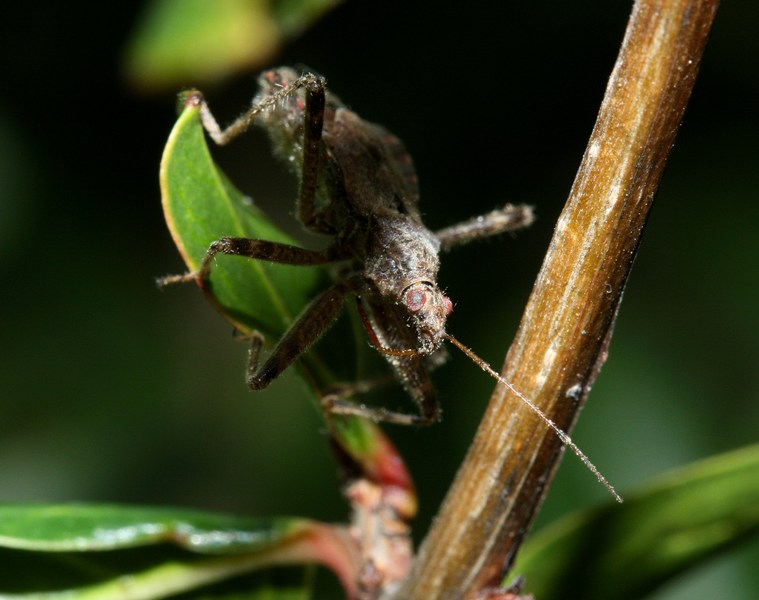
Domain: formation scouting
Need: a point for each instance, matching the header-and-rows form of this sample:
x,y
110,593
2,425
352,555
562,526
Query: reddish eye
x,y
415,300
448,305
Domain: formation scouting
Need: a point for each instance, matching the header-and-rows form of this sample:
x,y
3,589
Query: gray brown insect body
x,y
358,185
367,197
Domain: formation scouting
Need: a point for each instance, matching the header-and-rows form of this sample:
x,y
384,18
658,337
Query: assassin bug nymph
x,y
358,185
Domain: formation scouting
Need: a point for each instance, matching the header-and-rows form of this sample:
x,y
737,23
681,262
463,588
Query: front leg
x,y
416,380
256,249
335,399
387,329
508,218
314,321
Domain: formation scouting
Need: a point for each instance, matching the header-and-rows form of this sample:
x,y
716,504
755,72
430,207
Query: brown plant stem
x,y
565,331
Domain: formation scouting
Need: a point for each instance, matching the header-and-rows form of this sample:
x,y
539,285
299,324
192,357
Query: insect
x,y
358,185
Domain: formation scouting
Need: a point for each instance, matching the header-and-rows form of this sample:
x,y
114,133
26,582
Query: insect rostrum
x,y
357,185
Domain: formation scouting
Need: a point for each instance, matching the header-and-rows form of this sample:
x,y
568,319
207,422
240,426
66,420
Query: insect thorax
x,y
400,252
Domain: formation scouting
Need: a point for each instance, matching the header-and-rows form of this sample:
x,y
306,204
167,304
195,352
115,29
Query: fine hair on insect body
x,y
358,185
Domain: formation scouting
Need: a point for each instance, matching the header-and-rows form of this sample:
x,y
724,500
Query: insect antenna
x,y
562,435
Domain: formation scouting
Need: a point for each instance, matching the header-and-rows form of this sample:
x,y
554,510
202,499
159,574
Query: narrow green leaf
x,y
108,551
201,205
79,528
625,551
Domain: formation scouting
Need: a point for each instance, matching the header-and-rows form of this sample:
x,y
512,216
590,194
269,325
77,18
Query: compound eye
x,y
415,300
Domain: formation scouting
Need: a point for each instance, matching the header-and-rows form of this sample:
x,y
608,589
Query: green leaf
x,y
111,551
626,551
61,528
199,41
201,205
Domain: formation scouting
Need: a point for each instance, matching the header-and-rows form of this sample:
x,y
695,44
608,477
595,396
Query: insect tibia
x,y
276,87
509,218
338,406
162,282
566,440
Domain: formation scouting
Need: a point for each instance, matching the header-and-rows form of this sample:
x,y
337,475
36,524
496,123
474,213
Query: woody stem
x,y
567,325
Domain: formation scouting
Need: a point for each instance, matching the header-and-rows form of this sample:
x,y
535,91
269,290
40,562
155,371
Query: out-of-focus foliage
x,y
112,391
197,41
625,552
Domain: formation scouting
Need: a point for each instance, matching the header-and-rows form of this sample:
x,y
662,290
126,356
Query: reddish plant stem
x,y
564,335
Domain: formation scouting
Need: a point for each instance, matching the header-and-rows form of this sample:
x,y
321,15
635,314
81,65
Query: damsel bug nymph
x,y
358,185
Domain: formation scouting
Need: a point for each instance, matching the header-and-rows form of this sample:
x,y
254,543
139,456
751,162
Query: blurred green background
x,y
112,391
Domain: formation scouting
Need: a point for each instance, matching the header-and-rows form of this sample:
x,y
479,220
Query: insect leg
x,y
312,137
508,218
256,249
317,317
243,122
412,370
335,404
314,87
335,398
416,381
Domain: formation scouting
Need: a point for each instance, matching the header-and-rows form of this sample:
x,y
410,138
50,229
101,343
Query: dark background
x,y
112,391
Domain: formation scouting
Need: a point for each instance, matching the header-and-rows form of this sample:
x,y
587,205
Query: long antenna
x,y
562,435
